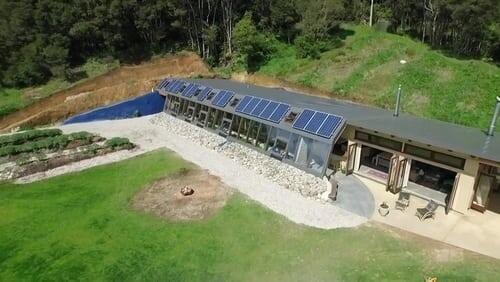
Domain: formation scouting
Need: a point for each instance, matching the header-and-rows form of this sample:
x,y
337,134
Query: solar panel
x,y
186,89
315,122
222,102
162,84
303,119
204,93
178,87
243,103
260,107
269,110
193,90
253,103
279,113
318,123
169,87
167,83
174,86
217,97
331,124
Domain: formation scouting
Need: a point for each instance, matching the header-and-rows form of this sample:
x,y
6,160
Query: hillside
x,y
367,69
120,83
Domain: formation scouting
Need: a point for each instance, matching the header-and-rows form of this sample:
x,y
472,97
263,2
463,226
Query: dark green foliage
x,y
118,142
82,135
48,143
20,138
46,38
306,47
252,44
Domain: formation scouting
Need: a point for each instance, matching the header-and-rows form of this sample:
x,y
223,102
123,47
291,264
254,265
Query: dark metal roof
x,y
231,108
444,135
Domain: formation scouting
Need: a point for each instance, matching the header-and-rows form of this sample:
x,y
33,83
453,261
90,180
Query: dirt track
x,y
119,84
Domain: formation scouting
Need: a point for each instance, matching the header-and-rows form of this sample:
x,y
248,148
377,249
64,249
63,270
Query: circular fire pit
x,y
187,191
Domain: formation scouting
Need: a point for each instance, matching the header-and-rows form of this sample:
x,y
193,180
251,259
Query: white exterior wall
x,y
465,186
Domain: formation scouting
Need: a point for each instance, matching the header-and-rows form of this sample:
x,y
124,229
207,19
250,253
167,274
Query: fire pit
x,y
186,191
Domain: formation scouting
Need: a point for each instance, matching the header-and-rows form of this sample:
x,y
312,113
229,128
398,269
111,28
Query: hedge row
x,y
23,137
56,142
118,142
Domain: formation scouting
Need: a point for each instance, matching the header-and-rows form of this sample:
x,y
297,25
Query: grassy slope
x,y
79,227
367,70
15,99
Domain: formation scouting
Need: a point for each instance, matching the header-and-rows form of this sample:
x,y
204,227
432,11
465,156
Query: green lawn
x,y
80,227
366,69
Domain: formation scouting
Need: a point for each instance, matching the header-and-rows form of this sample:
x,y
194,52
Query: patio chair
x,y
403,201
428,211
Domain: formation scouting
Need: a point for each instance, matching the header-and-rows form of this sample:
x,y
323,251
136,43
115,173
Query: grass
x,y
80,227
10,100
14,99
366,69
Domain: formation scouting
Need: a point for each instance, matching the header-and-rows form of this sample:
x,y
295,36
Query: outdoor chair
x,y
403,201
428,211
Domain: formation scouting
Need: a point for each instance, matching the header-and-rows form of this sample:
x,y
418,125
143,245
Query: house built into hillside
x,y
456,166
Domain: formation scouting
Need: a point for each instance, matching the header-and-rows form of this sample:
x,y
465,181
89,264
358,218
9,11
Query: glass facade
x,y
303,152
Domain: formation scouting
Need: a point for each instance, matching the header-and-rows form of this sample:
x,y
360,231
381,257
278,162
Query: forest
x,y
42,39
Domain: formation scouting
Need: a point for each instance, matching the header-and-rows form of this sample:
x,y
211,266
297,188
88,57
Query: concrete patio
x,y
473,231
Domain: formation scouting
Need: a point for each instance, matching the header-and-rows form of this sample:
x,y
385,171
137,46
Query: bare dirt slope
x,y
119,84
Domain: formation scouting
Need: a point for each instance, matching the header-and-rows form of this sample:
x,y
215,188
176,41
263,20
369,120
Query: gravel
x,y
268,182
283,174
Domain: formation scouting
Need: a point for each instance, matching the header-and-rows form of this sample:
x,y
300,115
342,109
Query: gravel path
x,y
149,137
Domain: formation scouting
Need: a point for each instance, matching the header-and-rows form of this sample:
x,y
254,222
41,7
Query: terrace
x,y
478,232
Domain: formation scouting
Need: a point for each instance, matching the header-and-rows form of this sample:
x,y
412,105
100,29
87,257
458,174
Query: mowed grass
x,y
80,227
367,69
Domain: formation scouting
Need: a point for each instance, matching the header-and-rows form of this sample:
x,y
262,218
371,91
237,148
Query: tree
x,y
254,46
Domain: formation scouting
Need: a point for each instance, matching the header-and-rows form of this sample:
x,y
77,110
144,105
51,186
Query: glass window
x,y
378,140
292,147
449,160
318,156
262,138
303,151
252,134
235,125
244,128
272,138
417,151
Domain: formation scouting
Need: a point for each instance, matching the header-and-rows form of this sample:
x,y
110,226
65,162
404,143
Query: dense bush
x,y
23,137
118,142
50,143
82,135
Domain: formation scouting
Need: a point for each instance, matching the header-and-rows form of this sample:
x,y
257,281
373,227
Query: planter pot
x,y
383,209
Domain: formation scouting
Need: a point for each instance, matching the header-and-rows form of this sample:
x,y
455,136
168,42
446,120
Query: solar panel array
x,y
318,123
175,86
204,93
222,98
310,121
263,108
190,89
163,83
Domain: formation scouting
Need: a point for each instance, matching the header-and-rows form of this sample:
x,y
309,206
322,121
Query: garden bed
x,y
34,151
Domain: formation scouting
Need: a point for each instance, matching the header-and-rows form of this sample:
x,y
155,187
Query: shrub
x,y
82,135
55,142
23,137
7,150
307,47
116,142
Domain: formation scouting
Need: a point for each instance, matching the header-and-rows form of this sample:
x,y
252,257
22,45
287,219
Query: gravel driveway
x,y
288,203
